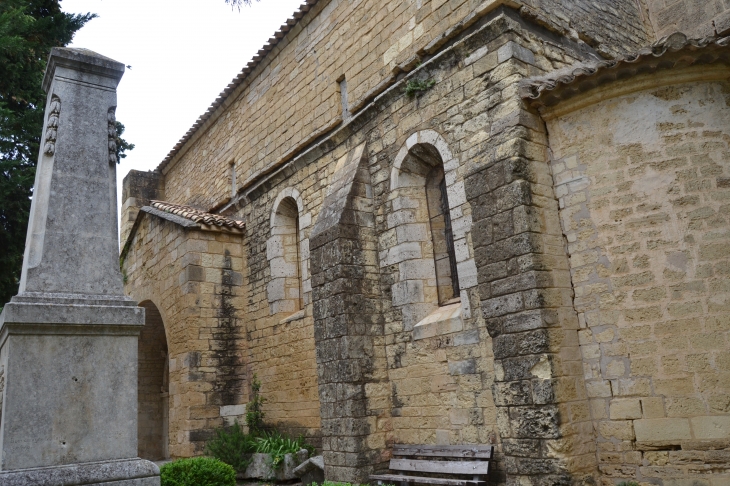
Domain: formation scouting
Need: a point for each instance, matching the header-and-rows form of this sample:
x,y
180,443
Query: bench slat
x,y
395,478
443,467
475,451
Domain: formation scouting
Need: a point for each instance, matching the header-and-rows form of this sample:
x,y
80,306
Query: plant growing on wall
x,y
416,86
254,412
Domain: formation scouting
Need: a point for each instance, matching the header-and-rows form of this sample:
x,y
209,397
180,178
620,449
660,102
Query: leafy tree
x,y
122,145
28,31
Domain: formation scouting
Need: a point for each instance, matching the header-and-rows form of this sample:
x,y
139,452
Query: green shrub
x,y
230,446
197,471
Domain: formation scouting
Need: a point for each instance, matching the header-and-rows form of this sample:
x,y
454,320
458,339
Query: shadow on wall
x,y
153,387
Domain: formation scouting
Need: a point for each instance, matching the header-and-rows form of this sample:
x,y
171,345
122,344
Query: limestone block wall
x,y
433,382
644,195
293,96
280,328
194,279
693,18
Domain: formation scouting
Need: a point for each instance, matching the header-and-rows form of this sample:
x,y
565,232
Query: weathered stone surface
x,y
261,467
311,470
698,19
68,341
130,472
74,202
344,312
642,289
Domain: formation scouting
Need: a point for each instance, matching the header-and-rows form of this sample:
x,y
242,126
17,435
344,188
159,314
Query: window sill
x,y
294,317
444,320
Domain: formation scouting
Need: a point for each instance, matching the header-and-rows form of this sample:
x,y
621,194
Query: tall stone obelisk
x,y
68,340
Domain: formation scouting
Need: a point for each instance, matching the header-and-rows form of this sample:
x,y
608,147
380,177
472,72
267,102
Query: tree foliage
x,y
122,145
28,31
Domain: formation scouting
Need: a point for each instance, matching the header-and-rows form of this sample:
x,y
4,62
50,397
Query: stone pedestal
x,y
68,340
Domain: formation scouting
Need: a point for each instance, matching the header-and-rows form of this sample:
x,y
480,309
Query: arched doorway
x,y
152,387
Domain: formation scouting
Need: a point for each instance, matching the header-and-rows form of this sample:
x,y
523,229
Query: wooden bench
x,y
457,460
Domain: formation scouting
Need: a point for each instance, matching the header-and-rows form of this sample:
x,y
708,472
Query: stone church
x,y
453,222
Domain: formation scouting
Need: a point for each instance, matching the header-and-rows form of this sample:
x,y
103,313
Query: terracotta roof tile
x,y
198,215
676,50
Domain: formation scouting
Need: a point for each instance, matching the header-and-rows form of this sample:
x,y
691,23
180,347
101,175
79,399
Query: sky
x,y
182,54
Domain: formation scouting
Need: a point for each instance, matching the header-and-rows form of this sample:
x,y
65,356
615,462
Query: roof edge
x,y
553,88
239,79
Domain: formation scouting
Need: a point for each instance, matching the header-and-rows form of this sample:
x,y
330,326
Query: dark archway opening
x,y
152,387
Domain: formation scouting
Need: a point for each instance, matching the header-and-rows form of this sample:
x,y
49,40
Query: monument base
x,y
70,370
124,472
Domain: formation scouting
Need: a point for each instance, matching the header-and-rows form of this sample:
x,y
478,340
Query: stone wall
x,y
137,191
696,18
643,186
194,279
293,96
588,331
392,365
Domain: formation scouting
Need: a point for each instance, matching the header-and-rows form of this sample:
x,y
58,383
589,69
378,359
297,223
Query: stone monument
x,y
68,340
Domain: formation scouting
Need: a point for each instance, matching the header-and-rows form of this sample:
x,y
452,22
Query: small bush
x,y
230,445
197,471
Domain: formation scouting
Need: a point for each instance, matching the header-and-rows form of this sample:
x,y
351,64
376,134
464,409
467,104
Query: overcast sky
x,y
182,54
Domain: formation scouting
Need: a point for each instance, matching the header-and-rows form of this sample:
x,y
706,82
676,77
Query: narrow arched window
x,y
234,187
285,291
447,279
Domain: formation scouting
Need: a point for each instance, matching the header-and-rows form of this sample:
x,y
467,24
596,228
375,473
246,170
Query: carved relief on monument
x,y
52,126
112,127
2,389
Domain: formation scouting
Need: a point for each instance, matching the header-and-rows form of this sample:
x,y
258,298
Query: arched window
x,y
285,292
428,222
439,217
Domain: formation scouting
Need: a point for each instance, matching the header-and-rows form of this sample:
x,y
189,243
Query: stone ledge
x,y
444,320
123,472
48,313
300,314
